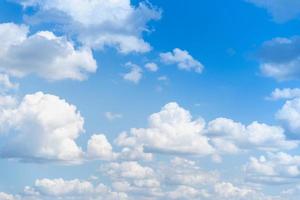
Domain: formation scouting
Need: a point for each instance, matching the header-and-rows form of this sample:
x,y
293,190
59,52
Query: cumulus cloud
x,y
135,73
41,127
130,170
280,58
285,93
70,189
57,57
281,11
172,130
228,136
98,23
182,59
274,169
99,148
228,191
152,67
289,115
186,192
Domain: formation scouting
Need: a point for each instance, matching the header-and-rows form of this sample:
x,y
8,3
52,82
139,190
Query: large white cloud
x,y
43,54
99,23
182,59
42,127
172,130
275,168
229,136
281,11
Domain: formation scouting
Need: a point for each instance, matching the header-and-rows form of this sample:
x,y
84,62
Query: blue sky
x,y
155,99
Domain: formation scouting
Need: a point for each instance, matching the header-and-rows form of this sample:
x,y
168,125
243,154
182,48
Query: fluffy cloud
x,y
42,127
275,168
99,148
131,170
285,93
134,75
152,67
228,136
182,59
181,171
98,23
72,189
172,130
280,58
57,57
281,11
289,115
186,193
227,191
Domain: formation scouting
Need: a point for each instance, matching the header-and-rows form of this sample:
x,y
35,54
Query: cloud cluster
x,y
184,180
182,59
273,169
98,23
173,130
57,57
44,128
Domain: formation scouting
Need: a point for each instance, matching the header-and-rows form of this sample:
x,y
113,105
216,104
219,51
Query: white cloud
x,y
171,130
112,116
281,11
57,57
228,136
99,148
48,189
99,23
6,84
182,59
135,73
129,170
7,101
152,67
42,127
181,171
285,93
185,193
289,115
280,58
228,191
275,168
5,196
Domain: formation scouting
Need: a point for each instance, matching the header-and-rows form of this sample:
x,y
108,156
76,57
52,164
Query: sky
x,y
149,100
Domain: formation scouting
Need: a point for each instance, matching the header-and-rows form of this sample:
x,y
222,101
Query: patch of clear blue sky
x,y
230,85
